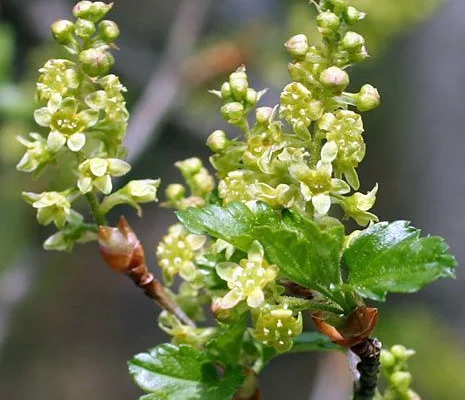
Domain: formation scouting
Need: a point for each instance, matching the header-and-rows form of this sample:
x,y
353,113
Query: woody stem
x,y
369,352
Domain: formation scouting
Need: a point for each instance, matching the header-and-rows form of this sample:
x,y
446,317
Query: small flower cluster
x,y
314,166
394,368
83,113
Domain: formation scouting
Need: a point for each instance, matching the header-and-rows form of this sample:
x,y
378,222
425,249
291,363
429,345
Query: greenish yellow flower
x,y
177,251
317,185
67,124
66,239
184,334
36,156
344,129
57,77
276,327
247,279
298,105
357,206
197,176
51,207
97,172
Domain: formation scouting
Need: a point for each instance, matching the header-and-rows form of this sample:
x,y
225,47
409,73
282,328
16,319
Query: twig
x,y
165,83
369,352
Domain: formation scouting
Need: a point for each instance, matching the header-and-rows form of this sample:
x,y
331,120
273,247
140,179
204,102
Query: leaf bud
x,y
297,46
96,62
352,15
217,141
327,22
335,78
401,380
62,31
368,98
92,11
264,114
239,83
109,31
85,29
233,113
120,247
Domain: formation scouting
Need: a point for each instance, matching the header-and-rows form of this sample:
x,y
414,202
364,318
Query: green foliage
x,y
171,372
393,258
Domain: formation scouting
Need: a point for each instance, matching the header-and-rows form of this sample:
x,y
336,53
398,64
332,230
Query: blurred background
x,y
68,324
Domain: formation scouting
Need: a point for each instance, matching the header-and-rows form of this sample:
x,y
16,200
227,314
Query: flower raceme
x,y
83,115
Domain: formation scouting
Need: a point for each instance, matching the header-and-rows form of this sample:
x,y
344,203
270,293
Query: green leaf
x,y
313,341
225,347
170,372
303,252
393,258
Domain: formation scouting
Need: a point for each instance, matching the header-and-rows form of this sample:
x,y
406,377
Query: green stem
x,y
95,209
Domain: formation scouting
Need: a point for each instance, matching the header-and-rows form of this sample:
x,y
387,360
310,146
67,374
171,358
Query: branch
x,y
369,352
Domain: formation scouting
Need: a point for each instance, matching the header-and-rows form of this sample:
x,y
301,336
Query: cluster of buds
x,y
82,113
395,370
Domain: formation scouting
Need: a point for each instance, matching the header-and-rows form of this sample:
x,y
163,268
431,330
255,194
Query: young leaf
x,y
170,372
393,258
313,341
225,347
303,252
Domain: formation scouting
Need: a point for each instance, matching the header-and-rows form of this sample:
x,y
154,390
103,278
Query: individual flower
x,y
67,125
97,172
277,328
247,279
51,207
357,206
176,253
134,193
57,77
298,105
184,334
66,239
317,185
344,130
36,156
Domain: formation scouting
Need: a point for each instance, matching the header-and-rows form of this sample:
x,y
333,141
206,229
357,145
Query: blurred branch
x,y
166,80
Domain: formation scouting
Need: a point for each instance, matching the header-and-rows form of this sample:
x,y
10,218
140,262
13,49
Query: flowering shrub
x,y
260,243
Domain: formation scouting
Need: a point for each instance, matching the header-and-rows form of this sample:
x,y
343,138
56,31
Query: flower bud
x,y
251,97
226,91
233,113
175,192
401,380
84,29
328,23
96,62
189,166
368,98
239,83
400,352
352,41
120,247
92,11
217,141
62,31
387,359
109,31
339,5
297,46
335,78
296,71
352,15
142,191
264,114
